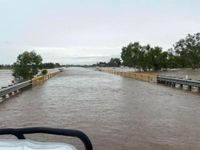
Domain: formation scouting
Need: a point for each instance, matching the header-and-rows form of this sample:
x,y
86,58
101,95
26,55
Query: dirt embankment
x,y
188,73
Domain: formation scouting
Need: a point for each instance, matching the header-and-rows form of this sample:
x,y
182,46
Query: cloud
x,y
77,55
89,31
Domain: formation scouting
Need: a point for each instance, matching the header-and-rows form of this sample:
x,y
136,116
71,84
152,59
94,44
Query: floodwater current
x,y
5,78
116,113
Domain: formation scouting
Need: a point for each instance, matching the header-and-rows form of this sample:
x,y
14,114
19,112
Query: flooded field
x,y
5,77
117,113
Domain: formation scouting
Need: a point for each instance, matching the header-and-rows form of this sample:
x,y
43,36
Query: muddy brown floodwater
x,y
5,78
116,113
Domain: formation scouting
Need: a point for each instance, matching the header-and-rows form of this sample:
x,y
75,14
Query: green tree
x,y
144,57
126,57
188,50
131,55
50,65
114,62
102,64
172,59
44,72
164,60
27,65
155,58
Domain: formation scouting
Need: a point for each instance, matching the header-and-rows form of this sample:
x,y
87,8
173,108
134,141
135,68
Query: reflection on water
x,y
117,113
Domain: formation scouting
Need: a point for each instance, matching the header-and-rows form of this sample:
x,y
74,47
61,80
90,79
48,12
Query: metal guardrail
x,y
178,81
14,88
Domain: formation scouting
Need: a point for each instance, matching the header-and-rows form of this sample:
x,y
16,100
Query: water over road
x,y
117,113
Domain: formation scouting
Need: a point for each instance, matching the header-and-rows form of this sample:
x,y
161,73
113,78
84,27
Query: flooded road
x,y
116,113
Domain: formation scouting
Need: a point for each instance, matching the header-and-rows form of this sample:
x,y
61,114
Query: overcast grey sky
x,y
87,31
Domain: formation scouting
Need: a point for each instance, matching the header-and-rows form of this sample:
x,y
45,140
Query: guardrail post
x,y
194,89
4,96
173,84
185,87
178,85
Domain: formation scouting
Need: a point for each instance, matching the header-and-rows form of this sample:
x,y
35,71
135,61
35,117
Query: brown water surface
x,y
117,113
5,78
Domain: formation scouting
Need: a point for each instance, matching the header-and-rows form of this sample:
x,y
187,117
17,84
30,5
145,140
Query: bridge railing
x,y
174,80
35,81
14,88
40,79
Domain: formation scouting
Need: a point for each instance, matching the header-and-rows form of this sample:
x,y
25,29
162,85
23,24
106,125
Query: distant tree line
x,y
114,62
5,66
50,65
184,54
84,65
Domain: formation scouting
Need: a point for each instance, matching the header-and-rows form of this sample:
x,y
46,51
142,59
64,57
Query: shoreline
x,y
172,81
184,73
